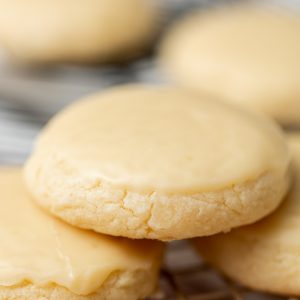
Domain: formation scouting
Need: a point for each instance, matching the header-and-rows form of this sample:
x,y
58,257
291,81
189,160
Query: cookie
x,y
265,255
81,31
43,258
244,54
155,162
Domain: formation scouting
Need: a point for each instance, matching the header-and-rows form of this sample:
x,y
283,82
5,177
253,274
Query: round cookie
x,y
81,31
158,163
265,255
44,258
245,54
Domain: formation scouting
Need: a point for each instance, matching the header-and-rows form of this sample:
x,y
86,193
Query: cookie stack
x,y
116,175
134,162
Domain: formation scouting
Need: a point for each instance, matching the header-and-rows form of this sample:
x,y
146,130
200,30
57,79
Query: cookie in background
x,y
44,258
82,31
160,163
246,54
263,256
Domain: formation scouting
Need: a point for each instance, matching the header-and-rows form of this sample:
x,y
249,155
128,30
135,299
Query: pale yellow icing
x,y
161,139
40,249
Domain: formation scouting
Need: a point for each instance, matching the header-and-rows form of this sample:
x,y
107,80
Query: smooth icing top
x,y
162,139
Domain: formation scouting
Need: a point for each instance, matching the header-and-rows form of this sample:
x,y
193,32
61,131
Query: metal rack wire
x,y
186,277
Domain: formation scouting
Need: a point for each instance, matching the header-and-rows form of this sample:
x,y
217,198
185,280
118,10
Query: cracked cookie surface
x,y
149,162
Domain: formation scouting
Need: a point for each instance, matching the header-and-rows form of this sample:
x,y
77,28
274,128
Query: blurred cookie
x,y
245,54
265,255
43,258
159,163
76,31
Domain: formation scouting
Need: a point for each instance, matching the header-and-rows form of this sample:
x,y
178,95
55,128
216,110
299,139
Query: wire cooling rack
x,y
29,97
186,277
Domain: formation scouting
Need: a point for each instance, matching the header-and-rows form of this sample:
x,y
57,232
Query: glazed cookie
x,y
43,258
76,31
245,54
159,163
265,255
